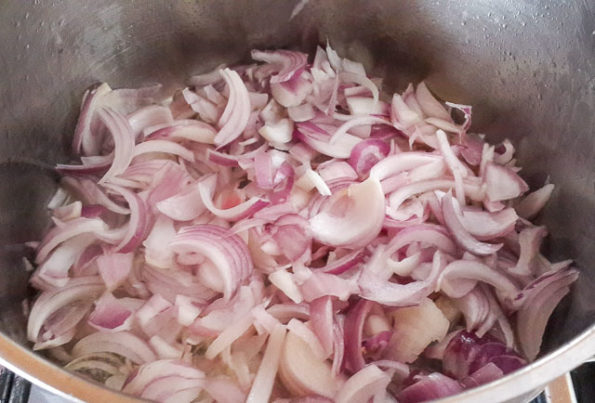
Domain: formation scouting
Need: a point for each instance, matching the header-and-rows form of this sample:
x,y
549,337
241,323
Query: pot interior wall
x,y
528,69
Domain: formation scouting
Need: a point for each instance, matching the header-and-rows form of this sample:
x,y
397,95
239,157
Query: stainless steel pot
x,y
527,67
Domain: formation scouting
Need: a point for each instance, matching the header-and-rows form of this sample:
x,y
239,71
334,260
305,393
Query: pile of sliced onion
x,y
287,230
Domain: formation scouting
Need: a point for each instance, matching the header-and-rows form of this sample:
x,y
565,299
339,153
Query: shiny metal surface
x,y
527,67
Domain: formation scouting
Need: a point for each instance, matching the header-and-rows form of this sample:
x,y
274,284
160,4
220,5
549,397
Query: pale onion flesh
x,y
280,230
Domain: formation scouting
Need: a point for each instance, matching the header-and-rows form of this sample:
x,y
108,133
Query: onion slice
x,y
226,254
262,385
367,383
353,217
122,343
237,112
457,229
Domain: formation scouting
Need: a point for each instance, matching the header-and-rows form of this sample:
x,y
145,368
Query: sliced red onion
x,y
426,234
284,64
504,153
301,113
375,288
110,315
360,121
68,211
441,124
207,110
69,230
503,183
209,78
358,105
141,173
460,276
361,259
376,345
341,148
163,146
338,344
486,225
414,328
226,338
151,308
293,236
397,163
400,195
303,373
148,116
336,170
304,332
227,253
534,202
91,193
123,137
467,353
163,349
61,327
279,132
137,224
284,312
188,310
529,243
402,116
123,101
344,263
186,129
369,382
466,109
171,283
455,226
354,218
293,92
166,182
367,154
262,385
321,317
264,322
166,380
545,294
321,284
361,79
472,150
222,159
206,190
311,179
353,360
84,139
49,302
429,387
184,206
496,311
95,167
284,281
488,373
237,112
224,390
54,270
157,252
475,306
122,343
114,268
456,167
429,104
